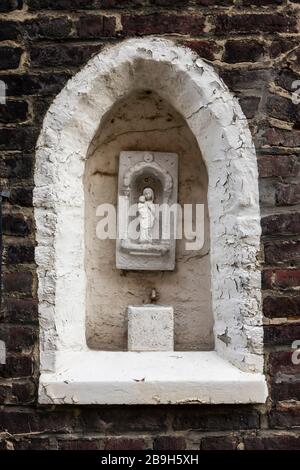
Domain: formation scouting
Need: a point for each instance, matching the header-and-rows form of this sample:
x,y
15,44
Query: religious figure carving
x,y
146,210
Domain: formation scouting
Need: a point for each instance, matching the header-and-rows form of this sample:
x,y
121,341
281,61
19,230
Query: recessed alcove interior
x,y
147,94
145,121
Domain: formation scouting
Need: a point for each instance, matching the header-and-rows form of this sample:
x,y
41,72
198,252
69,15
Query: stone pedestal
x,y
150,328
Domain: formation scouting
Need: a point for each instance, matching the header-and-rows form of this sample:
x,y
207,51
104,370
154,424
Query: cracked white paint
x,y
216,120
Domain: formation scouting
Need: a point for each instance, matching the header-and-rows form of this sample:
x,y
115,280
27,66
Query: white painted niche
x,y
143,120
183,107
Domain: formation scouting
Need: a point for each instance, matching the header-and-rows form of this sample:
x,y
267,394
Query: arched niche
x,y
70,371
151,123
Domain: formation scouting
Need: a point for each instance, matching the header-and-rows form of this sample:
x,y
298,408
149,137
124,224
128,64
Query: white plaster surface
x,y
221,130
150,378
150,328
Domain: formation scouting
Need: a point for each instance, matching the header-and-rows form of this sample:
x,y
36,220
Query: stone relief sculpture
x,y
146,209
147,181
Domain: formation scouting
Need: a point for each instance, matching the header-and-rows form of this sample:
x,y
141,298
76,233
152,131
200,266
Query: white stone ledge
x,y
101,377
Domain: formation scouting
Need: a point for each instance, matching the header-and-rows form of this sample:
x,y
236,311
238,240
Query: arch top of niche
x,y
70,371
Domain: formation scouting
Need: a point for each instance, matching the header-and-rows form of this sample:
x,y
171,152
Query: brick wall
x,y
255,47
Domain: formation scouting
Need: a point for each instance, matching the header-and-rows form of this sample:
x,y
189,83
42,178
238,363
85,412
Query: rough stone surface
x,y
150,328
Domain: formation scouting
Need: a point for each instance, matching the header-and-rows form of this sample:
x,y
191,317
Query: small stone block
x,y
150,328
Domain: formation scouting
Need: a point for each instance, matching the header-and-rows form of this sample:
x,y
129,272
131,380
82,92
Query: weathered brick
x,y
16,224
124,419
10,57
219,418
243,51
169,443
20,282
18,338
214,3
287,194
281,224
30,443
10,5
16,166
45,27
17,365
286,251
79,444
40,83
13,111
242,79
286,77
249,105
21,196
156,23
19,254
20,138
96,26
281,306
273,442
19,310
124,444
278,165
285,415
286,390
65,55
24,392
63,4
282,46
256,23
280,278
259,3
279,137
283,108
283,334
5,394
282,362
205,49
219,443
9,30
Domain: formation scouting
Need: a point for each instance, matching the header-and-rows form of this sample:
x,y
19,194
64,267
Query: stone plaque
x,y
147,211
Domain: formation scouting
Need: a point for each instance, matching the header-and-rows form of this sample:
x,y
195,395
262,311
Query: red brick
x,y
19,310
273,442
205,49
287,194
286,390
20,282
281,362
278,165
219,443
281,224
169,443
256,23
285,415
243,51
79,444
157,23
17,365
281,278
281,335
285,251
18,338
67,55
96,26
10,5
115,443
281,306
